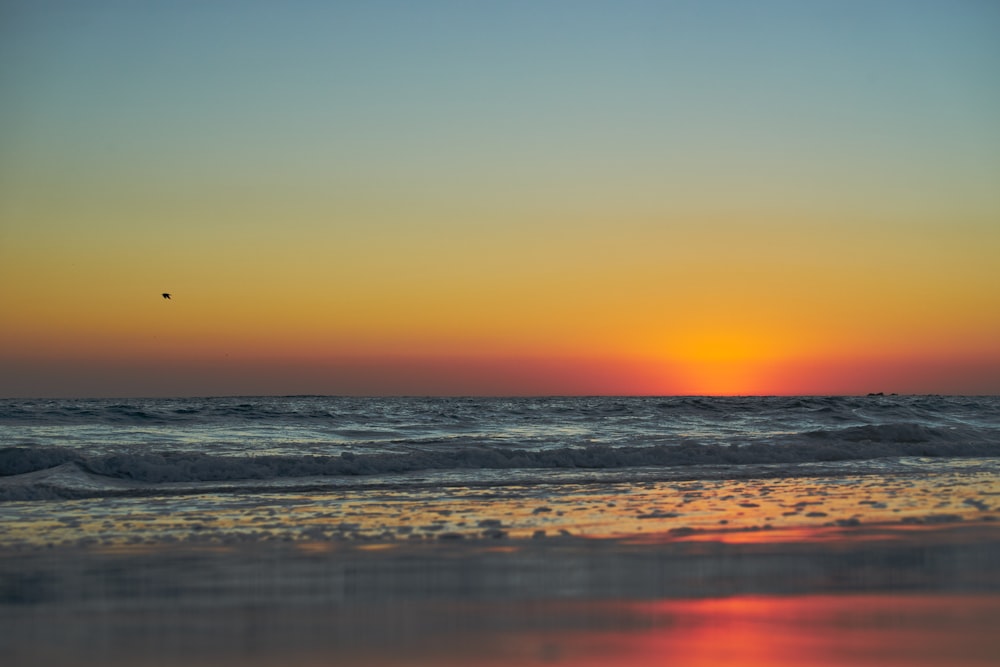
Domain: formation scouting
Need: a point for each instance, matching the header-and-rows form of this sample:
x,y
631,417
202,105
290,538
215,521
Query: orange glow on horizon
x,y
210,371
556,328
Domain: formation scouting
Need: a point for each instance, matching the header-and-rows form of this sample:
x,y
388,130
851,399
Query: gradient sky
x,y
546,197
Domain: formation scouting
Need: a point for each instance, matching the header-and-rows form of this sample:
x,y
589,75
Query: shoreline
x,y
594,508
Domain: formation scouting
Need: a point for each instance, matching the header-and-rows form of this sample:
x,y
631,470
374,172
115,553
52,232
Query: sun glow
x,y
722,378
726,358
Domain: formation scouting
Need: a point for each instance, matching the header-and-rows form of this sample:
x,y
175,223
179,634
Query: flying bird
x,y
166,295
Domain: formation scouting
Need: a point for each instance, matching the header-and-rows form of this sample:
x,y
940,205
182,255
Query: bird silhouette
x,y
166,295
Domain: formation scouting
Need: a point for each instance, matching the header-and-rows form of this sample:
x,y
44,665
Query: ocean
x,y
338,530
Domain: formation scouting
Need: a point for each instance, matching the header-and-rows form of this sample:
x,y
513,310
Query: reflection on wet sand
x,y
834,596
818,631
748,631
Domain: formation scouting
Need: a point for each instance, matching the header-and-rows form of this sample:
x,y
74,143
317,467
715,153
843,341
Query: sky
x,y
499,198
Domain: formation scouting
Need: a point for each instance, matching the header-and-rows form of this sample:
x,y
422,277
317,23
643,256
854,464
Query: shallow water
x,y
904,492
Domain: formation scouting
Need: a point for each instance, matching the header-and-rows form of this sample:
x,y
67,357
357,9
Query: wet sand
x,y
812,570
963,492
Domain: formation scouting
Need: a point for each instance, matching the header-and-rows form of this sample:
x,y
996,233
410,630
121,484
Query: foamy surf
x,y
89,448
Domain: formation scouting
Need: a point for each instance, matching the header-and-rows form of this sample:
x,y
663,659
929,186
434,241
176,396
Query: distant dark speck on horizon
x,y
166,295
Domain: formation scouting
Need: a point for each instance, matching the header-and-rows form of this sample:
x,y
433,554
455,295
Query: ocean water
x,y
309,530
61,449
255,452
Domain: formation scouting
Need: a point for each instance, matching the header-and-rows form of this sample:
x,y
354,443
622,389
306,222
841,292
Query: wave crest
x,y
166,467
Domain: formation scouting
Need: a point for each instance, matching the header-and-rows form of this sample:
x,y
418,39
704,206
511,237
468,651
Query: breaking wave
x,y
22,481
95,447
